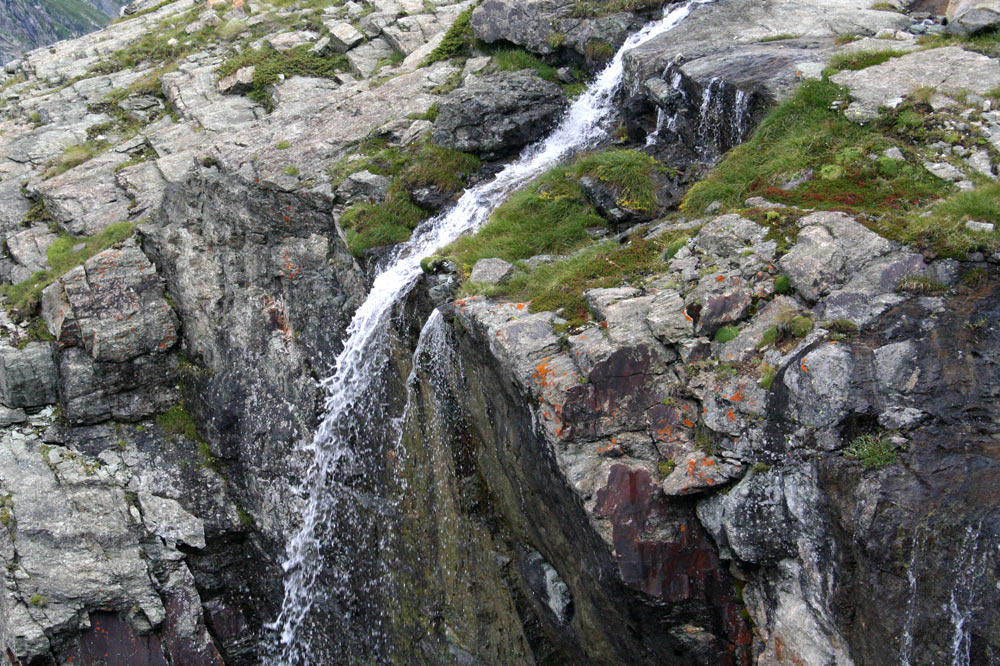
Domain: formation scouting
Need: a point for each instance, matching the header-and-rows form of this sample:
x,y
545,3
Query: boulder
x,y
363,186
289,40
27,376
491,271
498,115
112,305
344,36
969,17
238,82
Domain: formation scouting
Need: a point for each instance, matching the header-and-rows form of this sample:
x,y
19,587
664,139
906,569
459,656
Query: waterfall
x,y
355,402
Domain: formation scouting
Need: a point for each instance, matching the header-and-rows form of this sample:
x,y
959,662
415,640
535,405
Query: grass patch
x,y
457,41
152,48
861,60
74,156
513,60
550,216
872,451
269,64
426,165
944,230
371,225
24,297
559,286
726,333
804,134
987,43
779,38
628,171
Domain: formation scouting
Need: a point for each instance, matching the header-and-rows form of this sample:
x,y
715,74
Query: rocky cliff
x,y
715,387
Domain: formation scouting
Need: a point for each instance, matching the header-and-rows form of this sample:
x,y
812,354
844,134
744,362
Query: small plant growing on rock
x,y
726,333
666,467
39,600
282,145
291,171
872,450
767,377
782,285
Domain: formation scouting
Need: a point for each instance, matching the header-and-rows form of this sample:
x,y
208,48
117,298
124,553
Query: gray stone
x,y
27,376
166,518
498,114
491,271
972,225
363,186
289,40
29,247
698,472
366,58
944,171
980,162
344,37
668,319
894,153
112,305
951,70
969,17
238,82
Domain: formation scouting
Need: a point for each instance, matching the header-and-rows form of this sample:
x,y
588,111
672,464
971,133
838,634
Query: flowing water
x,y
354,405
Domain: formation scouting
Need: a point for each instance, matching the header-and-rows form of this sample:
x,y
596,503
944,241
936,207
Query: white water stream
x,y
359,365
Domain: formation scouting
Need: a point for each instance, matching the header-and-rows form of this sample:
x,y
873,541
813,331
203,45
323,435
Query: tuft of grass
x,y
767,377
550,216
270,64
74,156
779,38
39,600
872,451
24,297
782,285
291,170
559,286
861,59
986,43
886,7
425,165
371,225
944,229
457,41
512,60
726,333
628,171
178,422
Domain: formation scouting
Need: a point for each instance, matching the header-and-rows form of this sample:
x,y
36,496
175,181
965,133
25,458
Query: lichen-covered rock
x,y
498,114
491,271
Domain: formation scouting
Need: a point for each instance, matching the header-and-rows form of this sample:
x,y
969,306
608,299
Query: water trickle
x,y
969,569
320,571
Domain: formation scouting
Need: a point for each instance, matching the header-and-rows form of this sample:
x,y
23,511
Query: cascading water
x,y
355,402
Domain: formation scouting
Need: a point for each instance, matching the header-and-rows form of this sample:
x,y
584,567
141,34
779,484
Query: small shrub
x,y
782,285
282,145
39,600
767,377
666,467
872,451
800,326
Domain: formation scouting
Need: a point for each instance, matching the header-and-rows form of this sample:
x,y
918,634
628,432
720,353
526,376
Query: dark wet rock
x,y
27,376
498,114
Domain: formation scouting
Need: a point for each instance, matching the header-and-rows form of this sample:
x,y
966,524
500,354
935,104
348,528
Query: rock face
x,y
744,458
497,115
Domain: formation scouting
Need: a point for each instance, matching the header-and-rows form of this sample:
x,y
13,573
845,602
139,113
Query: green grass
x,y
629,172
550,216
457,41
177,422
779,38
424,165
513,60
886,7
371,225
270,64
872,451
152,47
726,333
861,59
987,43
559,286
805,133
74,156
23,298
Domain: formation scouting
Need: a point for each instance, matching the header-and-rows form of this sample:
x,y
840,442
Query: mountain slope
x,y
25,25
